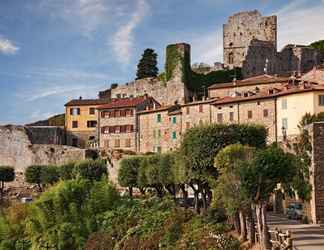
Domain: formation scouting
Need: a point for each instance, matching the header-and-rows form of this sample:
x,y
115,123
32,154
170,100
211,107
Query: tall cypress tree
x,y
147,66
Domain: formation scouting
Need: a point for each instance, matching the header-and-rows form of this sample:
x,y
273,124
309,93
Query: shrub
x,y
50,174
100,241
66,171
7,174
92,170
33,175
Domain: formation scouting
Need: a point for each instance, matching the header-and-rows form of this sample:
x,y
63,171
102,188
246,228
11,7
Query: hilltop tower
x,y
243,28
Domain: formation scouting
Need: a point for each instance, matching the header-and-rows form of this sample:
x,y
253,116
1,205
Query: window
x,y
117,129
75,142
220,118
201,108
231,116
158,118
129,112
284,104
200,122
187,125
154,134
105,130
92,111
265,113
321,100
187,110
123,113
128,143
159,133
117,143
174,135
250,114
231,58
74,111
285,123
158,149
74,124
129,128
117,113
106,143
174,119
91,124
118,96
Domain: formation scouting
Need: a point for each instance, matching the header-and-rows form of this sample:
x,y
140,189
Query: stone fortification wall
x,y
17,150
46,135
168,91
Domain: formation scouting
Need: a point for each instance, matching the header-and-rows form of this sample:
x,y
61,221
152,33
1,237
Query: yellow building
x,y
81,119
293,104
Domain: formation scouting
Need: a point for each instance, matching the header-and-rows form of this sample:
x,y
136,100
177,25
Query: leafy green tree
x,y
270,168
318,45
65,215
7,174
201,144
90,169
128,173
50,174
166,175
147,66
228,190
33,175
66,171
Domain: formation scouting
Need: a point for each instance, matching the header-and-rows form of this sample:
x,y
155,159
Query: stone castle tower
x,y
241,29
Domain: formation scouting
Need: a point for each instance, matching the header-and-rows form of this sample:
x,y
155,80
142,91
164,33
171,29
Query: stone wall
x,y
316,131
17,150
241,29
46,135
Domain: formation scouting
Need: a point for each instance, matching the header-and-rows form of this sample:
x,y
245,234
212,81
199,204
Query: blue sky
x,y
55,50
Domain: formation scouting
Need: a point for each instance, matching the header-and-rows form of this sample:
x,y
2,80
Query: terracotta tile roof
x,y
261,79
265,94
126,102
160,109
86,102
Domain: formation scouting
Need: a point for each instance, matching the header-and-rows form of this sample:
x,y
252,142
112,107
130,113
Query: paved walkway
x,y
305,236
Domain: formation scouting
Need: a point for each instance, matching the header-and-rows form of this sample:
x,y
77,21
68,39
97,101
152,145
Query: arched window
x,y
231,58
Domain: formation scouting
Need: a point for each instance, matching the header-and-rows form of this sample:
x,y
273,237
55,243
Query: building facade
x,y
118,125
81,118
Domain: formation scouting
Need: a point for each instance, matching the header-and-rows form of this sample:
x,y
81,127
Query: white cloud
x,y
300,23
122,41
8,47
62,83
85,15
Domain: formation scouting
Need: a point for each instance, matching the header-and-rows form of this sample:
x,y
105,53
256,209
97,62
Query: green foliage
x,y
66,171
318,45
33,174
128,171
64,216
50,174
201,144
199,81
100,241
147,66
90,169
7,174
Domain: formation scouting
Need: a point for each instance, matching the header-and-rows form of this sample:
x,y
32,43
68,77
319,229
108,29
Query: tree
x,y
128,173
49,174
33,175
166,175
271,168
228,189
66,171
93,170
201,144
318,45
65,215
147,66
7,174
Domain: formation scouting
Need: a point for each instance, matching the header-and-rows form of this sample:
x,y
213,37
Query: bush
x,y
66,171
33,175
50,174
100,241
7,174
92,170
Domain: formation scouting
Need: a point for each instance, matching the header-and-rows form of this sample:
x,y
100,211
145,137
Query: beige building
x,y
81,119
118,122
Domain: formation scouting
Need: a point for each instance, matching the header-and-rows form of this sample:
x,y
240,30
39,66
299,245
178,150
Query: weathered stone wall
x,y
17,150
316,132
46,135
241,29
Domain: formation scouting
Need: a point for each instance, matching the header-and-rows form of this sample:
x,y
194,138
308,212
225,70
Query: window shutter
x,y
78,111
71,111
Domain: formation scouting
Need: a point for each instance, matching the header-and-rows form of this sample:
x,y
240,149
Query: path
x,y
305,236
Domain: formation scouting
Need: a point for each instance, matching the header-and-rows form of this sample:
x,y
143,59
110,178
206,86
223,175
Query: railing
x,y
280,240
